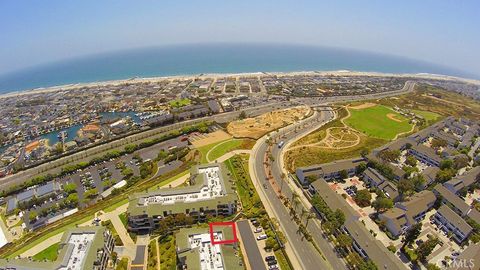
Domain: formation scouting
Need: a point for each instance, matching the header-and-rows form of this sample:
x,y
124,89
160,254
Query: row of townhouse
x,y
364,243
453,219
329,171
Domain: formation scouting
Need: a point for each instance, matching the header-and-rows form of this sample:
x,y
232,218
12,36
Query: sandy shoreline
x,y
220,75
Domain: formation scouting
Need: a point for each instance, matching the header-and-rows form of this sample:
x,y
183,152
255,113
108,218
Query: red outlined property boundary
x,y
225,224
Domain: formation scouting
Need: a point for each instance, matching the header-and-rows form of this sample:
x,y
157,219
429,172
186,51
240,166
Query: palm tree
x,y
283,180
309,216
295,200
304,212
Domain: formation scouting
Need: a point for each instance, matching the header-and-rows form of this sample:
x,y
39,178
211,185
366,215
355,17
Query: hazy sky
x,y
442,32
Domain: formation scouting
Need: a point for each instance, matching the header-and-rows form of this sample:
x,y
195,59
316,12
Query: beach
x,y
223,75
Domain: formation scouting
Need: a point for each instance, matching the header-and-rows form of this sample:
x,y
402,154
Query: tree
x,y
460,162
344,241
343,174
72,199
382,204
437,143
446,164
364,152
405,187
127,172
367,265
309,216
418,181
32,216
412,234
411,161
363,197
425,248
432,266
70,188
445,175
389,155
242,115
90,193
361,168
310,178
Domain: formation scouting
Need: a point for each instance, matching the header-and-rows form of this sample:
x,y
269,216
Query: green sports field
x,y
375,122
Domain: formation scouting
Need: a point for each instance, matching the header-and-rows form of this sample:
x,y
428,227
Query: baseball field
x,y
378,121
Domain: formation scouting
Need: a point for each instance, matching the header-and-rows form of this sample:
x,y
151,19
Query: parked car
x,y
261,237
269,258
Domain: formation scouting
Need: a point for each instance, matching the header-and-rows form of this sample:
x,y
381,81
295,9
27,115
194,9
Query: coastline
x,y
246,74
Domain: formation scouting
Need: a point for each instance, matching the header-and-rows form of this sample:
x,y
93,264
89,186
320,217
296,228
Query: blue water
x,y
114,115
210,58
53,136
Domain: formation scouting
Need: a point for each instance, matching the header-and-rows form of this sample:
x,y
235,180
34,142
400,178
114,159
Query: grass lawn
x,y
177,103
152,255
374,122
49,254
122,264
48,235
116,205
282,261
169,180
124,219
238,166
168,258
221,148
429,116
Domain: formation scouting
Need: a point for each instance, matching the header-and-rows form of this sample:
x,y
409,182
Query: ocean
x,y
210,58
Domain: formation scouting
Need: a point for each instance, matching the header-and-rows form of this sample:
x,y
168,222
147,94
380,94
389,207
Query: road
x,y
306,254
255,259
304,251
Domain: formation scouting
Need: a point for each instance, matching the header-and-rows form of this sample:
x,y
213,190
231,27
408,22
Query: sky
x,y
444,32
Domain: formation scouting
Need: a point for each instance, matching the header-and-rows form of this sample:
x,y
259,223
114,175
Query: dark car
x,y
269,258
272,262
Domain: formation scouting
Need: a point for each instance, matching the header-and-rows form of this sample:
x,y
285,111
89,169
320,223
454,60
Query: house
x,y
405,214
464,181
329,171
214,106
448,221
210,193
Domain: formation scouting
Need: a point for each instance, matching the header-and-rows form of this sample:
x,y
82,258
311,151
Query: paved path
x,y
43,245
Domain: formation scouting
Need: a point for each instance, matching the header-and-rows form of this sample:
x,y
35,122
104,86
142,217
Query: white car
x,y
261,237
258,229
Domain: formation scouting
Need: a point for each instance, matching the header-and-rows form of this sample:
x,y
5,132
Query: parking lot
x,y
90,182
252,235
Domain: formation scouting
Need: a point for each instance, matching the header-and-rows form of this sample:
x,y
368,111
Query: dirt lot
x,y
201,139
363,106
257,127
